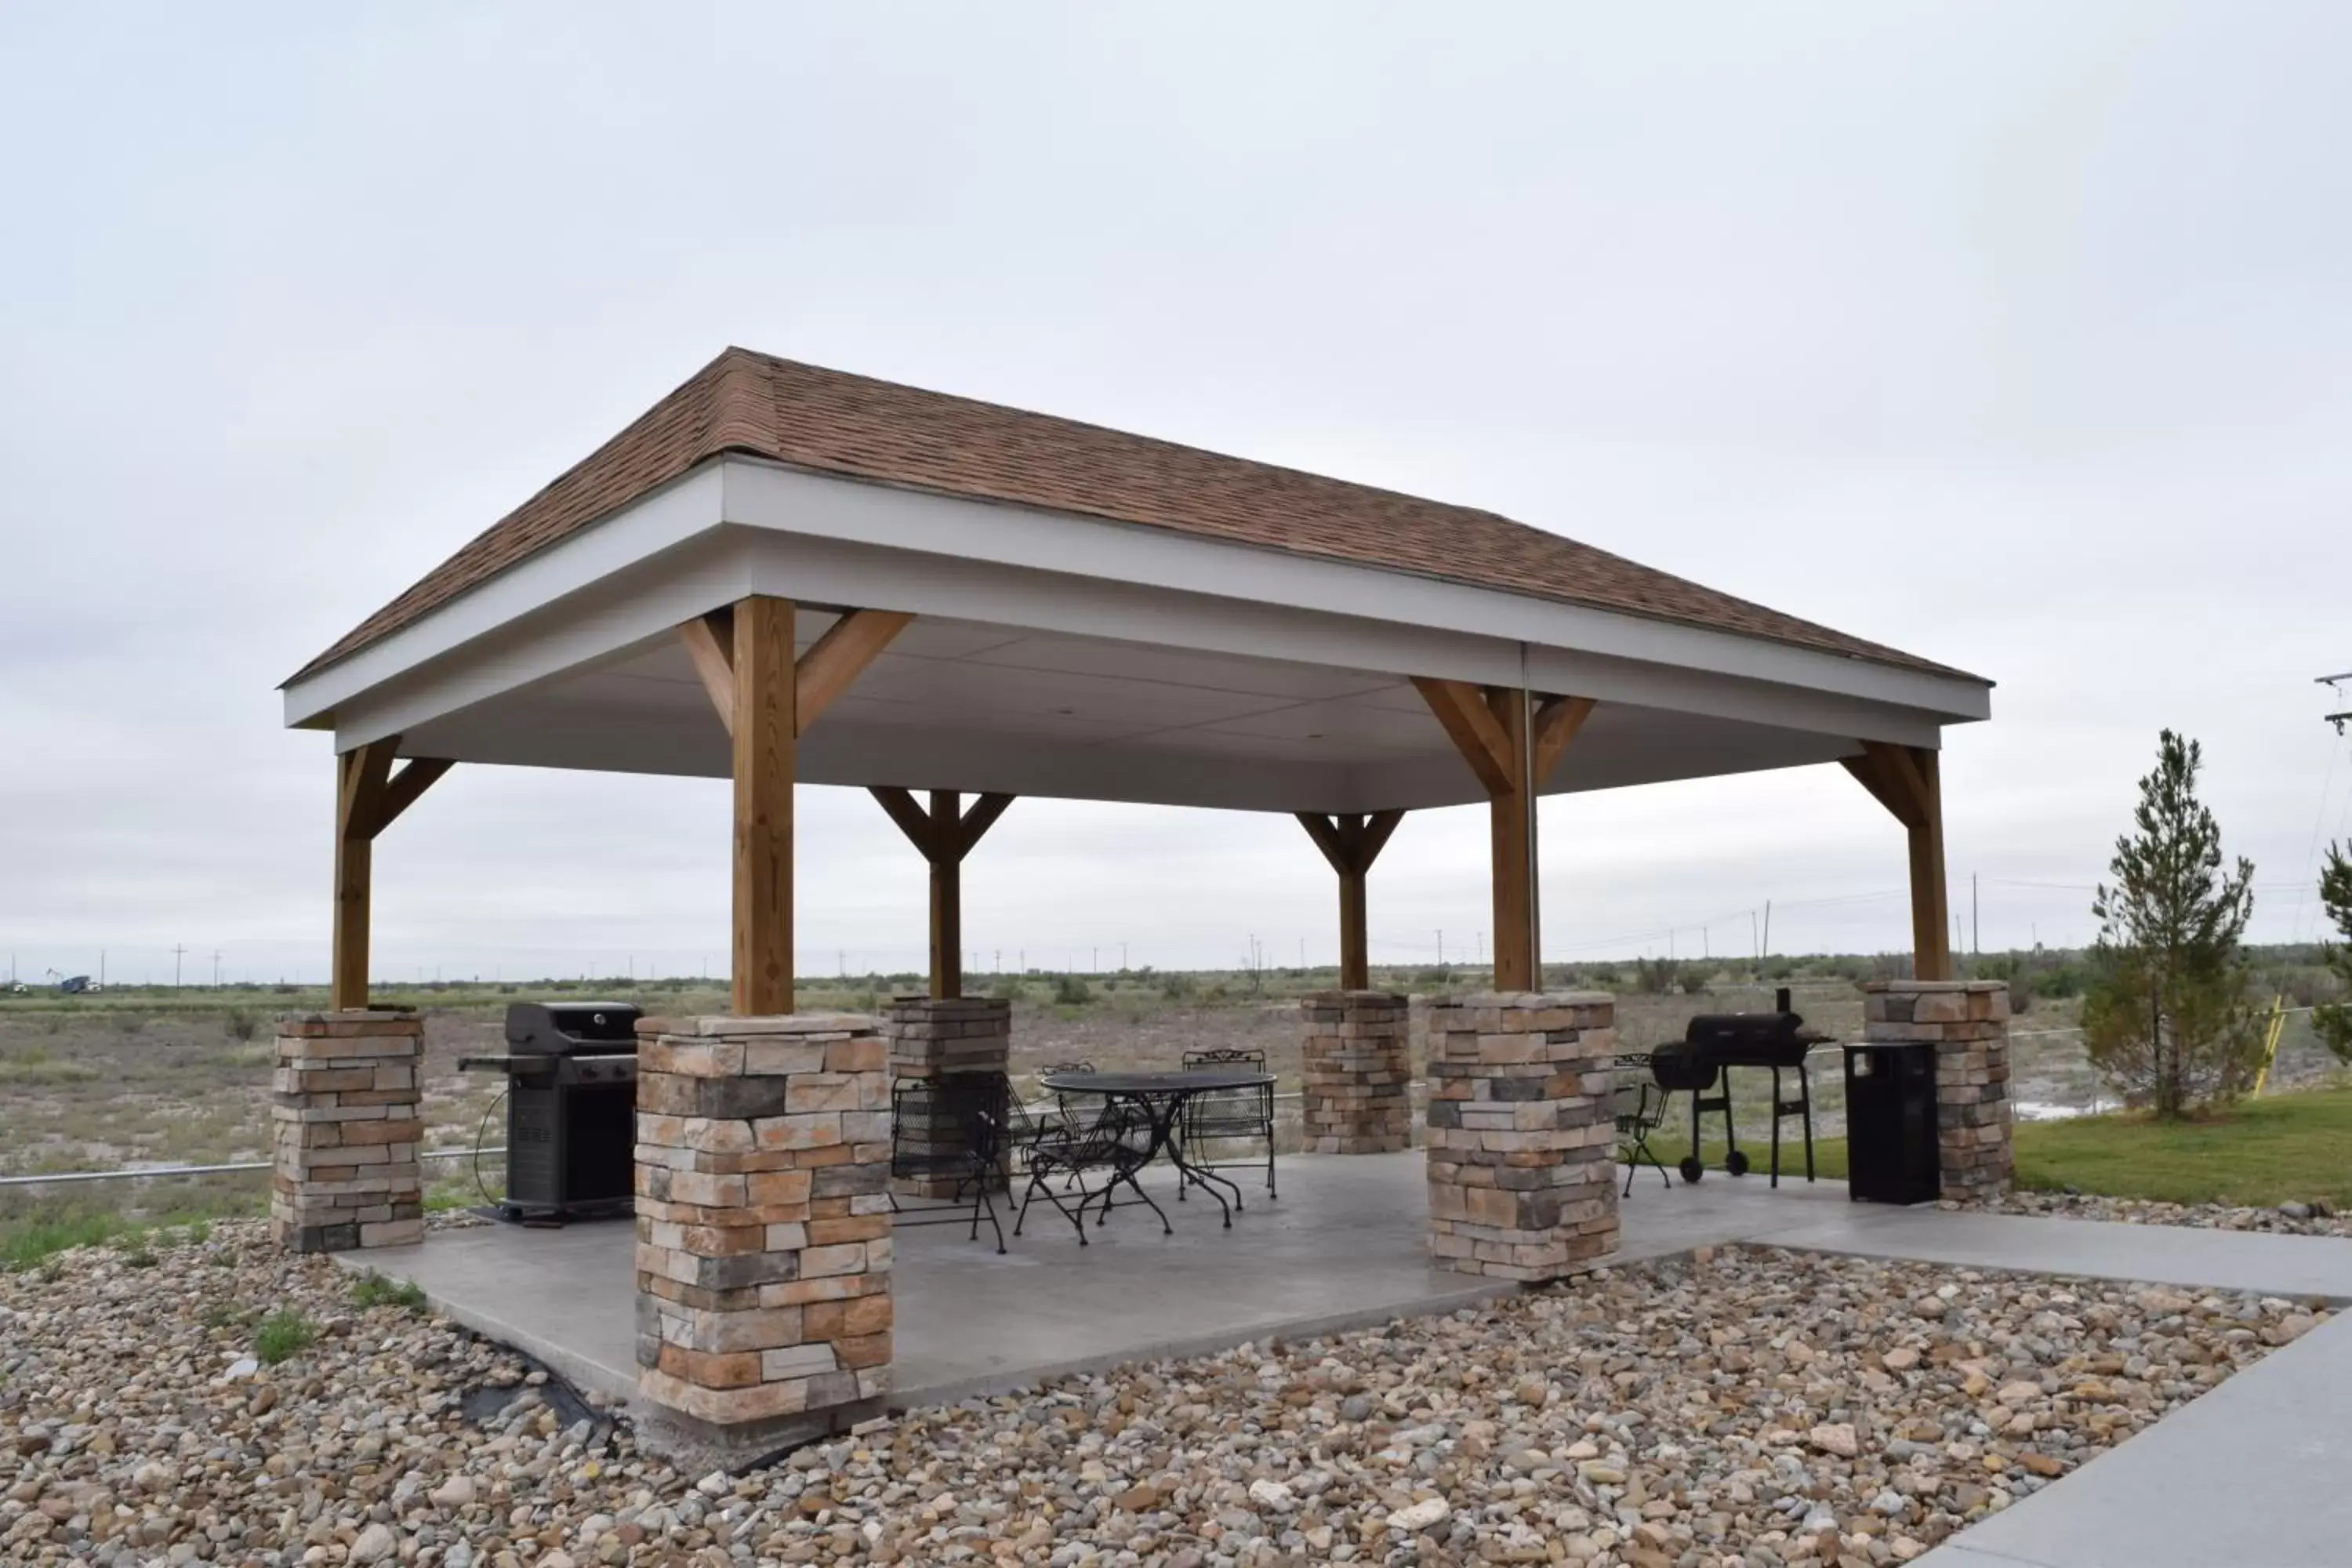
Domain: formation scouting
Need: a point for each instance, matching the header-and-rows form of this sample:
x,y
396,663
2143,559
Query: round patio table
x,y
1161,1097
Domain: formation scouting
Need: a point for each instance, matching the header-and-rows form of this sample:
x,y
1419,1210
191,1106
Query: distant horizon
x,y
2293,952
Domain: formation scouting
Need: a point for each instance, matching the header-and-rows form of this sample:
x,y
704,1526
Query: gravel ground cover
x,y
2285,1220
1740,1407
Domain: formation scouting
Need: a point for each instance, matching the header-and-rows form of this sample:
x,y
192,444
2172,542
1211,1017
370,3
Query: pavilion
x,y
785,574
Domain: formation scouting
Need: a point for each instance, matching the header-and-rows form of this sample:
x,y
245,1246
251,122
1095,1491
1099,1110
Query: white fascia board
x,y
830,571
770,496
688,506
631,577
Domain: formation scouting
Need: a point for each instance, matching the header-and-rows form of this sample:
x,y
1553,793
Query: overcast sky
x,y
2016,336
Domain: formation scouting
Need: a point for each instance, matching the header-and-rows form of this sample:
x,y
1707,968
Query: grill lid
x,y
567,1028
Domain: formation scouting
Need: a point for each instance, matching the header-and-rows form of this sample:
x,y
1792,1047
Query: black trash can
x,y
1890,1124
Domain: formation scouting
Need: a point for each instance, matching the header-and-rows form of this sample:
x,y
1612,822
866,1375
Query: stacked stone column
x,y
1358,1073
1521,1132
932,1037
1967,1022
763,1224
345,1131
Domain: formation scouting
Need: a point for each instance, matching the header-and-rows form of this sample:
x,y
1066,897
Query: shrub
x,y
376,1290
283,1334
1072,991
240,1025
1655,976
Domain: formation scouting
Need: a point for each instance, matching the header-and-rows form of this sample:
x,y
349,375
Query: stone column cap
x,y
1336,998
1935,985
1532,1001
715,1025
384,1013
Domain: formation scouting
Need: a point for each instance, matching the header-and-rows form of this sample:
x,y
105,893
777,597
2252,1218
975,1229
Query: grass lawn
x,y
2291,1147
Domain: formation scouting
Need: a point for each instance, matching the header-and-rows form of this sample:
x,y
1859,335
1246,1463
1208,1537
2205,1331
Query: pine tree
x,y
2335,1022
2166,1018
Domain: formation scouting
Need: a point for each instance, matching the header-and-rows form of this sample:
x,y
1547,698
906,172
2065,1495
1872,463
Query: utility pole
x,y
175,966
1441,947
1976,929
1122,958
217,958
1767,928
1753,939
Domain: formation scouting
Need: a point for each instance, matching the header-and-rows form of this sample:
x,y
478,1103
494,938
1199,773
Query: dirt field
x,y
162,1080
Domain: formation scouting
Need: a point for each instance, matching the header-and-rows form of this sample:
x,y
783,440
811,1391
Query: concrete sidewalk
x,y
2251,1476
1659,1221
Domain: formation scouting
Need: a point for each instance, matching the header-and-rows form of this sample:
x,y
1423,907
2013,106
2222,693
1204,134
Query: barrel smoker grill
x,y
1713,1042
572,1100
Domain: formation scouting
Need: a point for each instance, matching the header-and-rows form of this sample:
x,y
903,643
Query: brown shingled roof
x,y
832,422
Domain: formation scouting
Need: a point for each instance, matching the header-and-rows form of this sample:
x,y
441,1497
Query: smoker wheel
x,y
1691,1170
1736,1162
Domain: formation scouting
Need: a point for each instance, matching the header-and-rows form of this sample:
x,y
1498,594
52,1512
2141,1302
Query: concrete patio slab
x,y
1344,1245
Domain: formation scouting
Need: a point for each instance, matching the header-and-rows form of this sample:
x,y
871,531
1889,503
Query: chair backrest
x,y
1225,1057
923,1111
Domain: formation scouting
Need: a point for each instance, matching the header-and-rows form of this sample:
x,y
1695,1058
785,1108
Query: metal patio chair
x,y
1639,1106
1229,1115
1113,1147
951,1131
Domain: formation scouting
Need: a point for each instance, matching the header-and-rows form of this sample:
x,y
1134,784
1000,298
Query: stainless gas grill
x,y
572,1097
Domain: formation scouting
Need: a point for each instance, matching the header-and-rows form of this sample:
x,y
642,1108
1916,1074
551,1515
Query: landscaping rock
x,y
1760,1409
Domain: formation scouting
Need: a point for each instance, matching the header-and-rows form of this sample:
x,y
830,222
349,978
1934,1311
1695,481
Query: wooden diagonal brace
x,y
1477,733
977,820
1557,722
1892,779
1373,836
1331,837
710,643
912,819
400,791
848,645
820,675
363,772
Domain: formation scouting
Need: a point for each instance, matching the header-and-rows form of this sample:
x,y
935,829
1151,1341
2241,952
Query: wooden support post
x,y
1513,746
943,836
1351,842
764,729
767,699
1512,832
947,897
1906,781
368,796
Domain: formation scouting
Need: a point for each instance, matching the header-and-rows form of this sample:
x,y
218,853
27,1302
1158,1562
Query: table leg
x,y
1188,1174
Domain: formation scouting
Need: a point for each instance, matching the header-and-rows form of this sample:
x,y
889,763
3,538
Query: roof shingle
x,y
835,423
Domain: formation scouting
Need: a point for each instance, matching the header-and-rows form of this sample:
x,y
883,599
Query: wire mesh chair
x,y
1113,1146
948,1134
1072,1112
1639,1106
1229,1115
